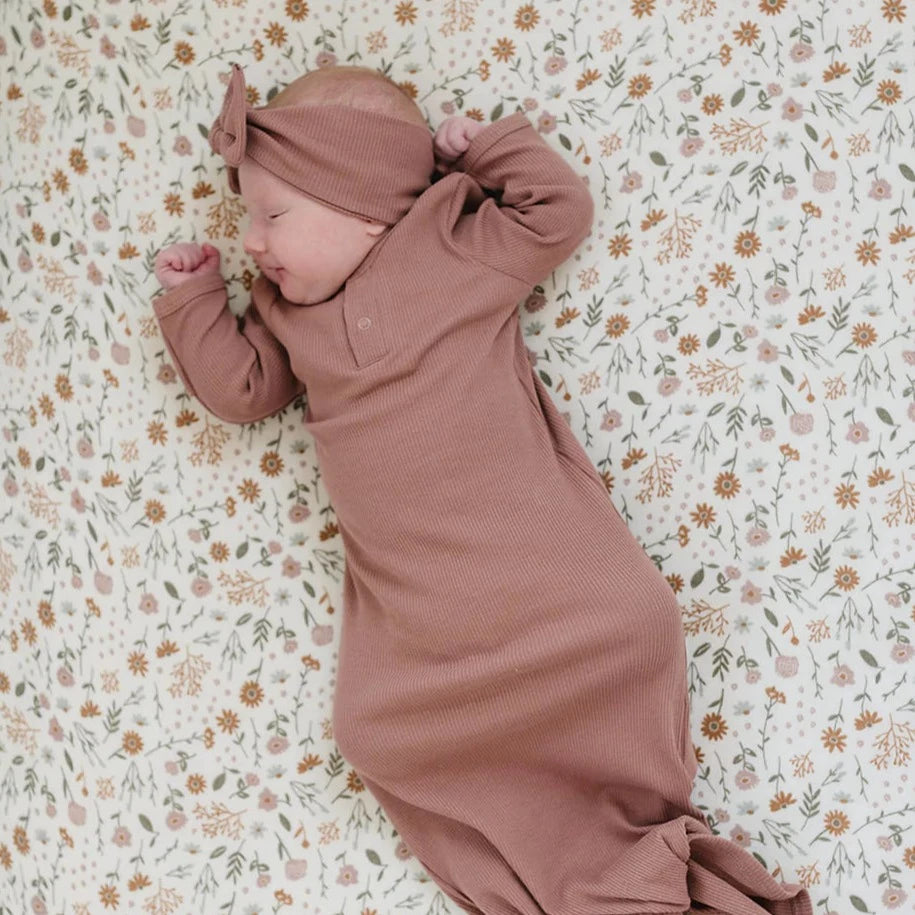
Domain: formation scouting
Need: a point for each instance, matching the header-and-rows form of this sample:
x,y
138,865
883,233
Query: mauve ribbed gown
x,y
512,672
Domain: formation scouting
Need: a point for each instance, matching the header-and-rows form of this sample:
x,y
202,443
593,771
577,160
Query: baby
x,y
511,684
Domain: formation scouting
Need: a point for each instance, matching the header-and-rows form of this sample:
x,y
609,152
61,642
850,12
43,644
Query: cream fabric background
x,y
732,344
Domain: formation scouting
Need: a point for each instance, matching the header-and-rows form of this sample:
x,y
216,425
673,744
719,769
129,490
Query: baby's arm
x,y
240,375
544,209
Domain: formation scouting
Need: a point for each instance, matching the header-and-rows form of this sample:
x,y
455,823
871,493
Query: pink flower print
x,y
121,837
757,536
668,385
843,675
175,820
824,181
546,123
65,677
740,836
267,800
534,302
766,352
685,95
791,111
291,567
84,448
902,652
801,423
348,875
100,221
322,635
166,374
777,295
774,90
750,593
38,906
136,127
275,547
752,675
893,898
746,779
103,583
661,335
632,181
326,59
613,419
182,146
277,744
789,192
554,64
77,502
402,852
106,46
801,52
37,39
299,512
786,665
55,730
296,868
94,275
77,813
880,190
857,433
252,778
690,146
447,107
149,604
767,434
24,262
201,587
529,103
731,573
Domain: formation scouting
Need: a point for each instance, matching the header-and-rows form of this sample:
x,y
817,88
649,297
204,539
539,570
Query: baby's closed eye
x,y
276,215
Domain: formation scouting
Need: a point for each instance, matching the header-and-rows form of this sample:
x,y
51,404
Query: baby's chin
x,y
293,293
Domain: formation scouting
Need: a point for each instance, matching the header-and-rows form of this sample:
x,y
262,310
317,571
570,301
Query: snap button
x,y
364,323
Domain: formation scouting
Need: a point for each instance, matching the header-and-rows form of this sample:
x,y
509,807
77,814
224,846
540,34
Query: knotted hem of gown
x,y
681,867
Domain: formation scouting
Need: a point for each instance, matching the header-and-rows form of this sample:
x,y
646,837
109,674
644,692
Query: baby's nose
x,y
253,243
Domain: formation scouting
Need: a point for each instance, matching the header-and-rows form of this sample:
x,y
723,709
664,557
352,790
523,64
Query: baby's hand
x,y
178,263
452,139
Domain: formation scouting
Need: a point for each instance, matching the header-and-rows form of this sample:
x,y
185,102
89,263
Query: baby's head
x,y
310,232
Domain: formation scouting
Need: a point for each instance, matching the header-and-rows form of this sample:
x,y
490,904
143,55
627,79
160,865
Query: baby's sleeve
x,y
239,373
543,209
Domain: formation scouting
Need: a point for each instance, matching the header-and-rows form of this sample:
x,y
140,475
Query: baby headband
x,y
359,162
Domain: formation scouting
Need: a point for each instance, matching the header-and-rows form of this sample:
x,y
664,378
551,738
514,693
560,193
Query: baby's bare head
x,y
355,87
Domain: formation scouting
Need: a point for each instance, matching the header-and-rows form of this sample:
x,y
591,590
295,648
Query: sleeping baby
x,y
511,684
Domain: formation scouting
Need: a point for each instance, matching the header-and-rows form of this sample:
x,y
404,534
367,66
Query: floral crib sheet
x,y
733,345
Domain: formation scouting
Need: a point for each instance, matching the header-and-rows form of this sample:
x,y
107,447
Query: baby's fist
x,y
178,263
452,139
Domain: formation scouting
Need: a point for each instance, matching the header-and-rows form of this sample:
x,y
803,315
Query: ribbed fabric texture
x,y
360,162
512,672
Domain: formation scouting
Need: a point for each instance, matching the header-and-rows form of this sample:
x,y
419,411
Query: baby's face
x,y
304,247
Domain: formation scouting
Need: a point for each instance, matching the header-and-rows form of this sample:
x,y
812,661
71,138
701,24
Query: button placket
x,y
366,334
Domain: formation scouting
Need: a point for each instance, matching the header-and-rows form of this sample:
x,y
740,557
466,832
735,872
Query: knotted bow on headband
x,y
359,162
